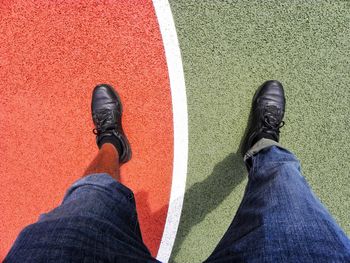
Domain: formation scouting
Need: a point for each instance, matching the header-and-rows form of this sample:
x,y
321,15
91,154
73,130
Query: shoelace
x,y
104,121
270,120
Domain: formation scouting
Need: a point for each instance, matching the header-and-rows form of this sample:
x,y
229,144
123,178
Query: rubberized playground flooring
x,y
52,53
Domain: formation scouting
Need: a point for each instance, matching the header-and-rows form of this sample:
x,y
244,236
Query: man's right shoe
x,y
267,114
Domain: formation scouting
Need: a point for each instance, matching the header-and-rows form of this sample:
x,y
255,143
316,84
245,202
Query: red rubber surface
x,y
52,54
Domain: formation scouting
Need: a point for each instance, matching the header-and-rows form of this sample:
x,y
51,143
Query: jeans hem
x,y
259,146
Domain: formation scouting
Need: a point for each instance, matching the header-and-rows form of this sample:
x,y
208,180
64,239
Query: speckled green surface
x,y
229,48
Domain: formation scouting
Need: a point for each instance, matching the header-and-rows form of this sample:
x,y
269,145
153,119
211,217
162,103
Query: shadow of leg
x,y
205,196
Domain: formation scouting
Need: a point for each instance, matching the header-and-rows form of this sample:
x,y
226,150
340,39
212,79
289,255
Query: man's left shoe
x,y
107,111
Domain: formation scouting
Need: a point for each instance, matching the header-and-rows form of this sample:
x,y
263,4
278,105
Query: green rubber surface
x,y
229,48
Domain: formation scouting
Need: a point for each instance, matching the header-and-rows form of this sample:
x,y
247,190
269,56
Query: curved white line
x,y
179,103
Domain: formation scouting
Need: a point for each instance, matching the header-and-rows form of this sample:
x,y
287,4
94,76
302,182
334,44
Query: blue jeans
x,y
96,222
279,220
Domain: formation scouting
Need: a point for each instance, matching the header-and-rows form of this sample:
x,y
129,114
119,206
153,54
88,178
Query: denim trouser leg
x,y
280,219
96,222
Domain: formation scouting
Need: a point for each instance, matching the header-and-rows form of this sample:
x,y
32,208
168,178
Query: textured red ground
x,y
52,53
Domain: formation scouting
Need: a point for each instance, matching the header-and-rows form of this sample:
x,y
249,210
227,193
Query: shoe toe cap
x,y
104,96
271,92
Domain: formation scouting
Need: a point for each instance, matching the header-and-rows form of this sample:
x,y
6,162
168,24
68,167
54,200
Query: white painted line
x,y
179,102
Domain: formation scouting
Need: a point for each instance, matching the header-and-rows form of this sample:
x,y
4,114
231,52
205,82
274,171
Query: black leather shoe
x,y
267,113
107,111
